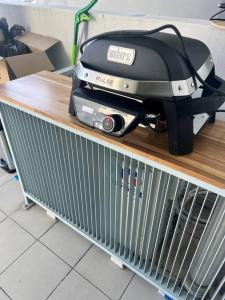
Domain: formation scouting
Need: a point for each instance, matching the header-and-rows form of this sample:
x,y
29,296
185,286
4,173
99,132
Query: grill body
x,y
167,229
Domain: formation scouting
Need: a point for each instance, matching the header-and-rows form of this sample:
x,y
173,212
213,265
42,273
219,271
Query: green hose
x,y
81,16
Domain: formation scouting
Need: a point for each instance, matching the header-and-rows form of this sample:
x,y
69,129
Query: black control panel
x,y
102,117
94,109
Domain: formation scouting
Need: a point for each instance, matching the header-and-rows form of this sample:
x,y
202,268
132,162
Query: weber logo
x,y
121,55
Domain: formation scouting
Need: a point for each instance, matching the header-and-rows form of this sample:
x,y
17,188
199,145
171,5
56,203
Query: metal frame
x,y
164,168
144,88
160,190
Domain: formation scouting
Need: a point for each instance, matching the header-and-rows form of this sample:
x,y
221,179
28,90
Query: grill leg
x,y
180,128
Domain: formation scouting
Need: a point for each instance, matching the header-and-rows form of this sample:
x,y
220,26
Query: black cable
x,y
143,33
217,14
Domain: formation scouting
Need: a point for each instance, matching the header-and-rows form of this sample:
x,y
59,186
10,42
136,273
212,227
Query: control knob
x,y
112,123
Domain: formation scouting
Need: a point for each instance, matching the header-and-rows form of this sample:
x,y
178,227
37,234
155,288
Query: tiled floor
x,y
44,259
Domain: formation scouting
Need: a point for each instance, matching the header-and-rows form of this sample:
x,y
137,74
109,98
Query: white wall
x,y
58,23
201,9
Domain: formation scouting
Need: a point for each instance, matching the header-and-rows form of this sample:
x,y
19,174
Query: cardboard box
x,y
38,60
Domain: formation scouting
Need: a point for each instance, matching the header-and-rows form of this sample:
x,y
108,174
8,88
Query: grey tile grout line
x,y
67,274
71,267
92,284
83,256
92,245
127,286
5,293
38,240
18,257
5,213
10,217
2,211
68,265
6,217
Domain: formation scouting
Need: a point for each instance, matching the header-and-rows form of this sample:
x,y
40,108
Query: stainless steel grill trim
x,y
143,88
165,228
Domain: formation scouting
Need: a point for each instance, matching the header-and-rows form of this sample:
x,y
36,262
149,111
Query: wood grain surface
x,y
48,95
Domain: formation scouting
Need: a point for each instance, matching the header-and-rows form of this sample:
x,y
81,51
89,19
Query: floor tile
x,y
66,243
75,287
141,290
13,242
11,197
2,216
34,275
35,220
98,269
5,177
3,296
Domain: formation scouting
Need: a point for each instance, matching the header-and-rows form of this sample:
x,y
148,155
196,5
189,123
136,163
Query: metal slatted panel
x,y
169,230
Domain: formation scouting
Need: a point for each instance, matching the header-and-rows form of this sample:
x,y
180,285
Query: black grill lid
x,y
158,57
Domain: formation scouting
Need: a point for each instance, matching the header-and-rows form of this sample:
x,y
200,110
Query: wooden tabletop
x,y
48,94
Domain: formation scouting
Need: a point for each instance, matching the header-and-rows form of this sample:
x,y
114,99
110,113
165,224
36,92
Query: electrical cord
x,y
217,14
161,28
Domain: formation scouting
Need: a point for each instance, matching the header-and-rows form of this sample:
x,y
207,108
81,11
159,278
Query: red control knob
x,y
112,123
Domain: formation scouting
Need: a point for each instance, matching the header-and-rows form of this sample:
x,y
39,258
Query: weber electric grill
x,y
163,81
